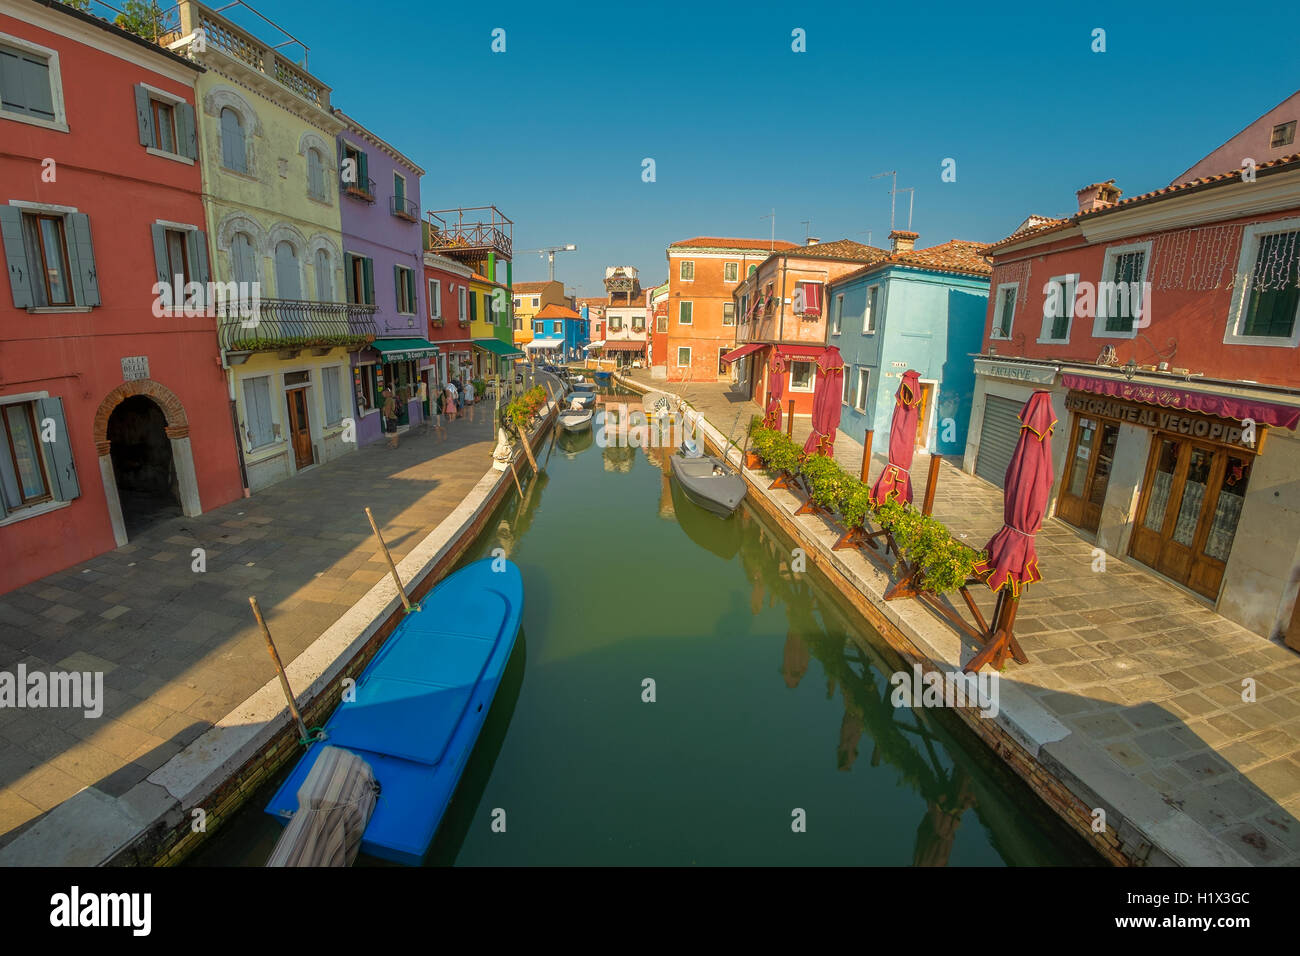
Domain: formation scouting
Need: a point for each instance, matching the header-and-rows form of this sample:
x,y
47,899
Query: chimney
x,y
1098,196
900,240
811,241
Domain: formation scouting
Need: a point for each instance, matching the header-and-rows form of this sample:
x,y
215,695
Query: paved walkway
x,y
1143,668
180,649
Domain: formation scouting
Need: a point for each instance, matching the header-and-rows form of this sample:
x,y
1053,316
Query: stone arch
x,y
221,97
285,232
177,431
235,222
310,139
321,241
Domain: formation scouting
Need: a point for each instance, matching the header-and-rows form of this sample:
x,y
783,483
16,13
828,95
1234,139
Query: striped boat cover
x,y
334,806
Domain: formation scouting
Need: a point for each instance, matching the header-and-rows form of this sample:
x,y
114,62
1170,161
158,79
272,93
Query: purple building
x,y
383,265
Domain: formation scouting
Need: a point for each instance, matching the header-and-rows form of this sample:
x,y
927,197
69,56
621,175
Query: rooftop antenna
x,y
911,191
773,218
866,233
807,231
893,192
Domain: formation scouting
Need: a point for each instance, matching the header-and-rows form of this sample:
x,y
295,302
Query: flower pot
x,y
752,461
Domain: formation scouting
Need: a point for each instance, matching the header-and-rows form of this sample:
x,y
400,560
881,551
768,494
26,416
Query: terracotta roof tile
x,y
839,249
960,256
553,311
716,242
528,287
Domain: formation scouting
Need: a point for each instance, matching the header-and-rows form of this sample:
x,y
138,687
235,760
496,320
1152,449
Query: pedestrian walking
x,y
450,392
389,414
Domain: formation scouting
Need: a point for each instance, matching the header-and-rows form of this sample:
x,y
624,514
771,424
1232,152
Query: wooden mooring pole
x,y
279,668
866,454
789,424
931,483
406,602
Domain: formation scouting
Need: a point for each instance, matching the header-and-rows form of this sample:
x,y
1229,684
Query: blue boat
x,y
602,377
420,704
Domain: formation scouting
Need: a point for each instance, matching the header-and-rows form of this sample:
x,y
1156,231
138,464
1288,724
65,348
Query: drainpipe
x,y
780,333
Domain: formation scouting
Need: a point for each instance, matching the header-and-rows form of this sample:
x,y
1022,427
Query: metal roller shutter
x,y
999,432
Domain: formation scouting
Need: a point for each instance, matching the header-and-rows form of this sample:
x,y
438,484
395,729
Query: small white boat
x,y
576,419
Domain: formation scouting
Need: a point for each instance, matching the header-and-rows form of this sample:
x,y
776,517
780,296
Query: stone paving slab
x,y
180,649
1142,668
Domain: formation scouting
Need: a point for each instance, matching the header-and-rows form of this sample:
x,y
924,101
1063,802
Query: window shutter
x,y
63,472
363,174
399,286
143,115
82,254
424,235
20,276
347,277
160,254
369,266
410,289
198,241
187,134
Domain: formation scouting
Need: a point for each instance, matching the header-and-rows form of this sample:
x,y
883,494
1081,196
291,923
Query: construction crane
x,y
550,252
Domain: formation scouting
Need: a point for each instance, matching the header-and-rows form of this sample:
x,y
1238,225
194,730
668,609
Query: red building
x,y
447,293
1167,328
113,410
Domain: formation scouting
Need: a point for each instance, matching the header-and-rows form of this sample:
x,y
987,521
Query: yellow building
x,y
271,195
489,328
529,299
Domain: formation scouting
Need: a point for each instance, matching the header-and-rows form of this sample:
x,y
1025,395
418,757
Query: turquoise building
x,y
922,309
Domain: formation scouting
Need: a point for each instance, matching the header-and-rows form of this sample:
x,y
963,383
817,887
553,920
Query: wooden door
x,y
1188,517
1092,452
923,412
300,428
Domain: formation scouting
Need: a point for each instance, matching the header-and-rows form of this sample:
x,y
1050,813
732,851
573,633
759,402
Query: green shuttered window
x,y
25,84
165,123
49,257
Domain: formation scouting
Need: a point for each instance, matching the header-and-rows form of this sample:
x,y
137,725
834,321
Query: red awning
x,y
624,346
741,352
1188,400
802,351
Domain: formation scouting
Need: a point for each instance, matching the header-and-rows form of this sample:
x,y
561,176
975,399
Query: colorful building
x,y
919,309
780,306
113,408
383,266
657,346
703,274
271,185
559,335
447,295
529,299
1166,327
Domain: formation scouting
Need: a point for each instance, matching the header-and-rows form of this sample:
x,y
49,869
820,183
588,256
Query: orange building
x,y
701,327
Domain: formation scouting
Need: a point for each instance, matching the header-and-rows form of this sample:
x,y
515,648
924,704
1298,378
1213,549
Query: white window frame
x,y
174,101
1250,240
1100,314
537,301
727,265
837,317
869,323
1070,284
682,302
275,440
60,121
725,323
846,387
689,356
414,300
812,382
861,388
997,311
462,300
345,380
681,268
405,184
435,298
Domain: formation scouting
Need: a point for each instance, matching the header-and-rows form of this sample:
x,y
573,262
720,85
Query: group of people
x,y
449,403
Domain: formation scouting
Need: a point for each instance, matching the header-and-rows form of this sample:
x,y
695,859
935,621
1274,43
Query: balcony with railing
x,y
222,35
473,233
365,192
272,325
404,208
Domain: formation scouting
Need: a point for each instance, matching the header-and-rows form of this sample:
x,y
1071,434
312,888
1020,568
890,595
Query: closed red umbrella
x,y
896,479
826,404
775,389
1012,557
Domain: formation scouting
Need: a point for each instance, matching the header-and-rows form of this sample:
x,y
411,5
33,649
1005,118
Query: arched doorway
x,y
145,460
143,469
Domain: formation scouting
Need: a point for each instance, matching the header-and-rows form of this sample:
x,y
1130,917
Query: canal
x,y
771,696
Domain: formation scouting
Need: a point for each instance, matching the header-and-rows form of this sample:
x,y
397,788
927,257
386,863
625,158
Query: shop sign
x,y
1218,430
1017,371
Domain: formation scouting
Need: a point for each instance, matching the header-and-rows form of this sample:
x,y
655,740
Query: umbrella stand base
x,y
853,538
783,480
1000,642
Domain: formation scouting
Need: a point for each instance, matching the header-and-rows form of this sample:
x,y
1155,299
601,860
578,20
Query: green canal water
x,y
771,696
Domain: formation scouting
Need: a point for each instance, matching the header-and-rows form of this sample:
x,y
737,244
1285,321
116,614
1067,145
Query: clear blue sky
x,y
737,123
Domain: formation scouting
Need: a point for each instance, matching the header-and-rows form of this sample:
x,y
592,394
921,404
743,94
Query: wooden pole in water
x,y
931,483
866,453
789,422
528,449
515,474
389,558
279,668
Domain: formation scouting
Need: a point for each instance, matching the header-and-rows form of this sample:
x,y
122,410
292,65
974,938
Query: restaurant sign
x,y
1019,371
1217,430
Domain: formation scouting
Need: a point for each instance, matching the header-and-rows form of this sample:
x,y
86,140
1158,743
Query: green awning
x,y
498,348
400,350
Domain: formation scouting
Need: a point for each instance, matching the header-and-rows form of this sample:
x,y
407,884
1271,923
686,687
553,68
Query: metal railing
x,y
404,208
273,324
363,191
490,231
